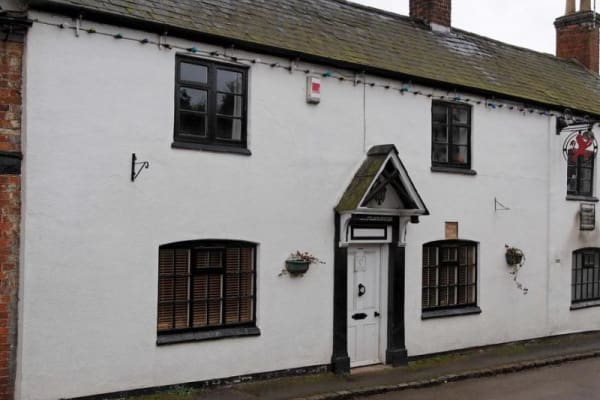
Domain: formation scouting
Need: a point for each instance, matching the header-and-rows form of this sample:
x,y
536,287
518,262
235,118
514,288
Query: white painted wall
x,y
89,262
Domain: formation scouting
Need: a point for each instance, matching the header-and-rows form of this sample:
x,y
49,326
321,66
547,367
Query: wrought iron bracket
x,y
499,206
135,171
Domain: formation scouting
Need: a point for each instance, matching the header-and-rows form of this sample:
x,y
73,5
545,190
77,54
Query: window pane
x,y
193,72
200,313
439,114
246,310
229,129
460,115
440,153
192,99
181,315
459,154
460,136
440,134
586,174
587,161
229,81
214,312
585,188
229,104
165,316
192,124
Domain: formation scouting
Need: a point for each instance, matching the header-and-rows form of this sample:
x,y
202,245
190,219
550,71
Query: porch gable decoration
x,y
381,189
382,186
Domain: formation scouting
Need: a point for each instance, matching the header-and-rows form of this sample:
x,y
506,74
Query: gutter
x,y
91,14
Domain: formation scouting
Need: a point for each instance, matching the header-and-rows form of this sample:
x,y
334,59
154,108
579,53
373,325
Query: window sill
x,y
450,170
211,147
585,304
452,312
207,335
572,197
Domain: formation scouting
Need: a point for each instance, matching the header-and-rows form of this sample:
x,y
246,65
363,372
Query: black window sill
x,y
585,304
450,170
211,147
452,312
207,335
573,197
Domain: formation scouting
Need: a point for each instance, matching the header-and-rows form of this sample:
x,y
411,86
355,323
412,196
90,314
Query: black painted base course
x,y
213,383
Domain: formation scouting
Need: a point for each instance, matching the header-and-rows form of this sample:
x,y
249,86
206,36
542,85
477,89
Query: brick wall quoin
x,y
13,28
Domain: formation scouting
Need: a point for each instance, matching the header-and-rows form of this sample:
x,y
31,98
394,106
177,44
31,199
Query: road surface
x,y
578,380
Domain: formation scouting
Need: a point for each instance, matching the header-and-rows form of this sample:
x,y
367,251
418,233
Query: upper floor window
x,y
449,274
451,135
580,173
585,281
206,285
210,105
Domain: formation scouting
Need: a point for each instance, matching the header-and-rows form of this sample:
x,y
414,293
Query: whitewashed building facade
x,y
407,179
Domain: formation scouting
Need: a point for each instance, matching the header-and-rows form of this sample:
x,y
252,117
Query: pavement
x,y
420,373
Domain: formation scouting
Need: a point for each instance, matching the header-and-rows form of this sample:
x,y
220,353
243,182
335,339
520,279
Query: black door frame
x,y
396,353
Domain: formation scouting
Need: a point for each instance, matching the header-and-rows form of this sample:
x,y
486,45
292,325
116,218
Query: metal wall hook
x,y
499,206
135,173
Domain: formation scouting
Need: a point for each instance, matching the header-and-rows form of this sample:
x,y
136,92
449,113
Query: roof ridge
x,y
406,18
373,10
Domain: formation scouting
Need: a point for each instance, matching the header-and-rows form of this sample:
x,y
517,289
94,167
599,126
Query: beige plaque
x,y
451,230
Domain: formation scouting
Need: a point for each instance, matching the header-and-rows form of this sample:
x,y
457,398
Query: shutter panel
x,y
215,293
181,296
200,295
165,289
232,291
247,290
426,276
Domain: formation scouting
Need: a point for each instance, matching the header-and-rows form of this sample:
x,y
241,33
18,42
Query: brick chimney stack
x,y
434,12
577,35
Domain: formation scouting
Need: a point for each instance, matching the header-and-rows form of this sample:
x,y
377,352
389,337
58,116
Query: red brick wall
x,y
11,54
436,11
580,42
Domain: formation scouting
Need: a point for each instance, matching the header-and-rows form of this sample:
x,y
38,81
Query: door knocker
x,y
361,289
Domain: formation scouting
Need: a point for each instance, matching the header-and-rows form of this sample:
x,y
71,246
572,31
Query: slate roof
x,y
382,42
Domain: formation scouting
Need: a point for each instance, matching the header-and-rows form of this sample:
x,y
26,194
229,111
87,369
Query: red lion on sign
x,y
583,142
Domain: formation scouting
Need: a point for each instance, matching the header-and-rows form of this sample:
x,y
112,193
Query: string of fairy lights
x,y
358,78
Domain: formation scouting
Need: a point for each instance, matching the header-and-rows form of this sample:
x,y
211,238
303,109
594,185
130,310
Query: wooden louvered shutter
x,y
173,291
208,286
239,290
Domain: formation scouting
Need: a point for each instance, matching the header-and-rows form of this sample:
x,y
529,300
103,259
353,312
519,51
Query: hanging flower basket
x,y
514,256
295,267
298,262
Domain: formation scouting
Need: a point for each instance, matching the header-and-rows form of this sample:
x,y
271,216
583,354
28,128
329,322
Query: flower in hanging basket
x,y
514,256
298,262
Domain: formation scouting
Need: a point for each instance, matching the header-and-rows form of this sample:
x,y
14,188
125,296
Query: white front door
x,y
364,297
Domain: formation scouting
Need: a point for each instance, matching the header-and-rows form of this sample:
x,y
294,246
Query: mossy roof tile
x,y
348,33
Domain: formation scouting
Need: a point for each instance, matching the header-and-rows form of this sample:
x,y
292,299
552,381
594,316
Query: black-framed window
x,y
210,103
449,274
451,135
585,280
205,285
580,173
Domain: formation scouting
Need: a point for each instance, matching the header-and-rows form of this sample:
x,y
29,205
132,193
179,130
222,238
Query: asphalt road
x,y
571,381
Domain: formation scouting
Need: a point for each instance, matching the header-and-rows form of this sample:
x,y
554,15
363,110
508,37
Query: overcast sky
x,y
526,23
